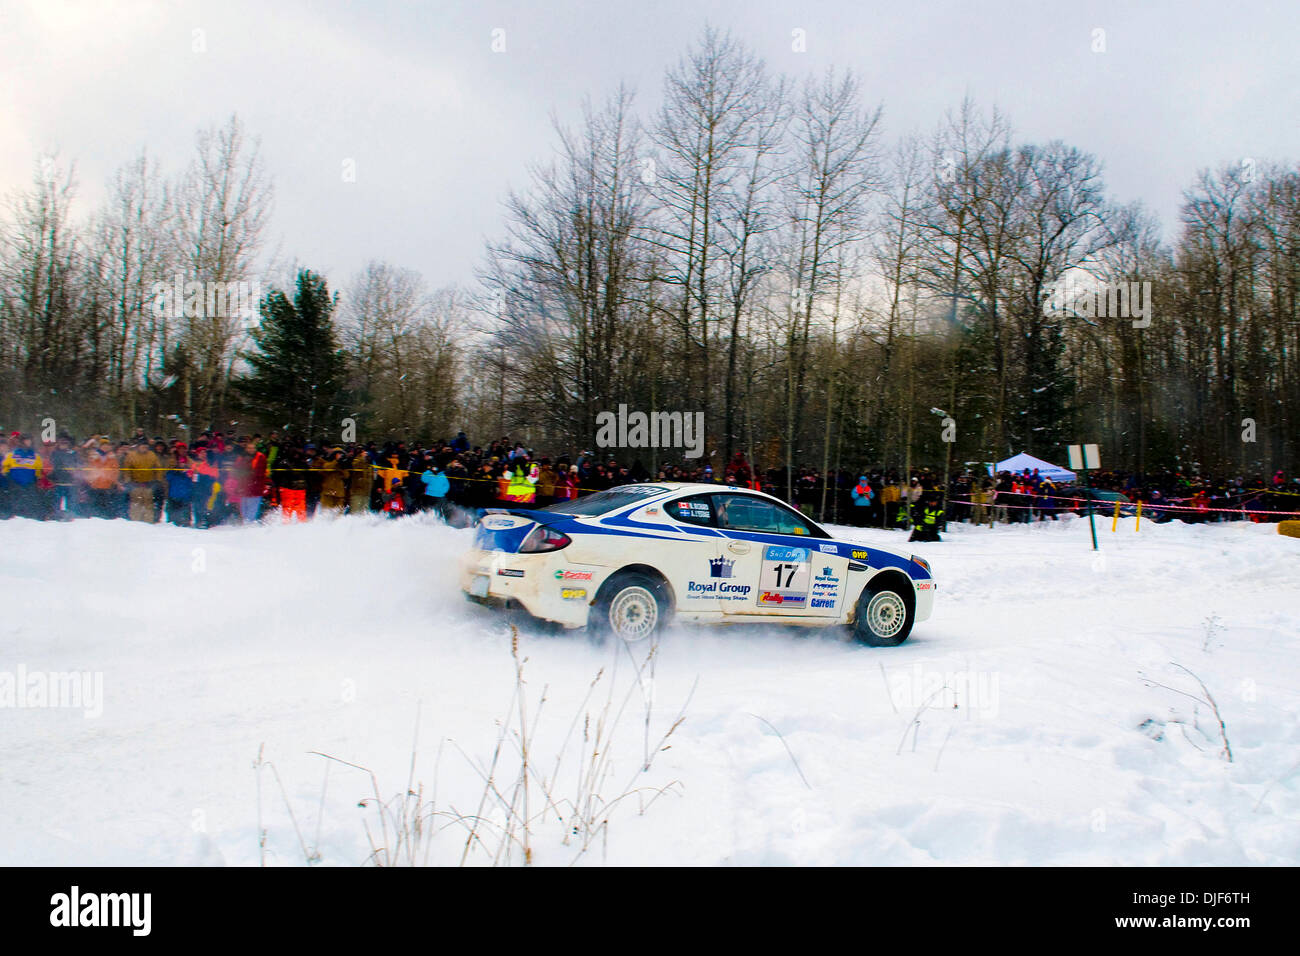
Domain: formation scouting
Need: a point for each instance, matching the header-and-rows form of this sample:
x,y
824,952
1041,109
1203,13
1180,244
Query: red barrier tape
x,y
1107,507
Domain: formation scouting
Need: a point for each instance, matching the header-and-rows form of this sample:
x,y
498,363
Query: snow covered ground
x,y
1024,723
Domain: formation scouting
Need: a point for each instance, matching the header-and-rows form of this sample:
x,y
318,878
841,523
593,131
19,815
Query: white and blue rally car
x,y
627,559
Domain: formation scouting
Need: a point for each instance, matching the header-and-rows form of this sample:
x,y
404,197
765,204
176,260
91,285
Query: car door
x,y
701,578
789,569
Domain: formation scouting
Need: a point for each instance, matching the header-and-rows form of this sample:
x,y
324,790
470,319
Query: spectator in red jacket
x,y
251,504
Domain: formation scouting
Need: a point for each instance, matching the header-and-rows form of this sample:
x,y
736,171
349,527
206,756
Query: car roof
x,y
675,488
672,488
701,486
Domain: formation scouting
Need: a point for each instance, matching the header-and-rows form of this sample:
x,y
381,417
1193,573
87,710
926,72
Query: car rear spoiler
x,y
541,517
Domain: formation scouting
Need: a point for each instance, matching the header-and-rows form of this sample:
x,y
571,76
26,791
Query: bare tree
x,y
403,346
222,205
48,328
836,171
135,253
566,286
716,125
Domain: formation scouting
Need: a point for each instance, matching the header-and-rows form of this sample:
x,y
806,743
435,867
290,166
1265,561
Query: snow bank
x,y
1024,723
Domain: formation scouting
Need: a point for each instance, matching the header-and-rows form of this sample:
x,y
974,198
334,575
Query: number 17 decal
x,y
783,580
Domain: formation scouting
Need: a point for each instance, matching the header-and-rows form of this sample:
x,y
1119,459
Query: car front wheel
x,y
884,617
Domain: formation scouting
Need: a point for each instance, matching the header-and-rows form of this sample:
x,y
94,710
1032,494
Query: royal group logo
x,y
720,590
826,584
721,567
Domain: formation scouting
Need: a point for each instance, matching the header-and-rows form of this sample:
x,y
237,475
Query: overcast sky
x,y
439,125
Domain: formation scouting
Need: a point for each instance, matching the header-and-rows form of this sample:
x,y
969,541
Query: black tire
x,y
621,608
879,613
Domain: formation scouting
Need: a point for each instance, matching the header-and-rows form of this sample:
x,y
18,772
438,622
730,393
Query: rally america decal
x,y
783,579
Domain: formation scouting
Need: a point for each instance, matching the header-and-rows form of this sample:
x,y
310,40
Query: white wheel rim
x,y
886,614
634,614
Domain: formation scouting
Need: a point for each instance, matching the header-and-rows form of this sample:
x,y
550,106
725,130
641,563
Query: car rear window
x,y
604,501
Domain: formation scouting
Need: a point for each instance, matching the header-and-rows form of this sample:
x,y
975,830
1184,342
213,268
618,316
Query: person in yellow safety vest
x,y
928,515
523,483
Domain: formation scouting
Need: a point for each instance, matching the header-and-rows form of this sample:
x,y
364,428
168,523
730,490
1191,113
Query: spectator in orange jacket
x,y
103,484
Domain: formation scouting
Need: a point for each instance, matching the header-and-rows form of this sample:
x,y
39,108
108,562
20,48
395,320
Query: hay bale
x,y
1289,528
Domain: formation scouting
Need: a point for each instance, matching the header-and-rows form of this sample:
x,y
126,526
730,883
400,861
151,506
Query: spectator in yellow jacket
x,y
141,470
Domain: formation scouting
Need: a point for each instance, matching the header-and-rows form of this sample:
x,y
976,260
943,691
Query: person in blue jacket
x,y
436,487
863,495
22,467
180,487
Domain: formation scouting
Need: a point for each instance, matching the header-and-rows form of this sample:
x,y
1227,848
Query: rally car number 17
x,y
626,560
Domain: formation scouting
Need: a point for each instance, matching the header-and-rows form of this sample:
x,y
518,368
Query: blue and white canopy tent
x,y
1018,463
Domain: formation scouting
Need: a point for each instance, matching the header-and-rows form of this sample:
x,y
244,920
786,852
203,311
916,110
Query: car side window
x,y
697,509
743,513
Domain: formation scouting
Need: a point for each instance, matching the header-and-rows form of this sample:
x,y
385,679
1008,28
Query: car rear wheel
x,y
884,617
631,606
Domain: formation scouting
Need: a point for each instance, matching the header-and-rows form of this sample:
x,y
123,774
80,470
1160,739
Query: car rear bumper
x,y
544,585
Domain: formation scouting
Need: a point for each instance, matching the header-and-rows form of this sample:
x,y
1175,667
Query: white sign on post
x,y
1085,457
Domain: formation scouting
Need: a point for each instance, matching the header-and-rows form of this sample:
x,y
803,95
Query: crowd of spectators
x,y
227,478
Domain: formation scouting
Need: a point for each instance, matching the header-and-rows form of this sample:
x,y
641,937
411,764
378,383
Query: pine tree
x,y
297,370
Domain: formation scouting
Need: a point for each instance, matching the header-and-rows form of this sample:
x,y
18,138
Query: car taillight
x,y
542,539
